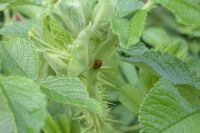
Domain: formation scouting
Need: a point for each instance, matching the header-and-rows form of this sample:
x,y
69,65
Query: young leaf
x,y
131,98
70,91
31,11
53,33
186,11
177,48
23,106
87,7
19,57
67,124
101,16
57,64
70,12
80,55
51,125
129,32
170,109
124,8
168,66
136,27
20,29
155,36
120,27
129,72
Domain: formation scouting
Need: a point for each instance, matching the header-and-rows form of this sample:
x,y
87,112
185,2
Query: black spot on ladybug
x,y
97,64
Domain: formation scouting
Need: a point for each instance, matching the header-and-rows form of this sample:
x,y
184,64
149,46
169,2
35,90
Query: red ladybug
x,y
97,64
18,18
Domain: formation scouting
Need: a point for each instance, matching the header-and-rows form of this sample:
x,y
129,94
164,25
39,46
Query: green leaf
x,y
148,78
126,117
167,66
170,109
70,13
178,48
129,72
54,34
131,98
7,120
67,124
0,66
129,32
20,29
87,7
3,6
70,91
22,2
31,11
101,16
137,49
80,55
124,8
19,57
120,27
51,125
155,36
136,27
23,106
186,11
56,63
195,65
106,49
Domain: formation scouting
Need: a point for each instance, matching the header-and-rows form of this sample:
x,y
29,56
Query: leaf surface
x,y
19,57
170,109
71,14
70,91
167,66
23,106
53,33
186,11
80,54
21,28
124,8
129,31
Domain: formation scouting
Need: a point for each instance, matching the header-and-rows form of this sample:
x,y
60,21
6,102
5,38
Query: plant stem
x,y
149,5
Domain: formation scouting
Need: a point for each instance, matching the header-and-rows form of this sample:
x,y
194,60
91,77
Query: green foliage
x,y
124,8
70,91
99,66
20,58
23,106
80,61
168,107
129,32
53,33
186,11
156,36
20,29
169,67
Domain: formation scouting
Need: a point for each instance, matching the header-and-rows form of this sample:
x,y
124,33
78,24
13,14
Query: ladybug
x,y
97,64
18,18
